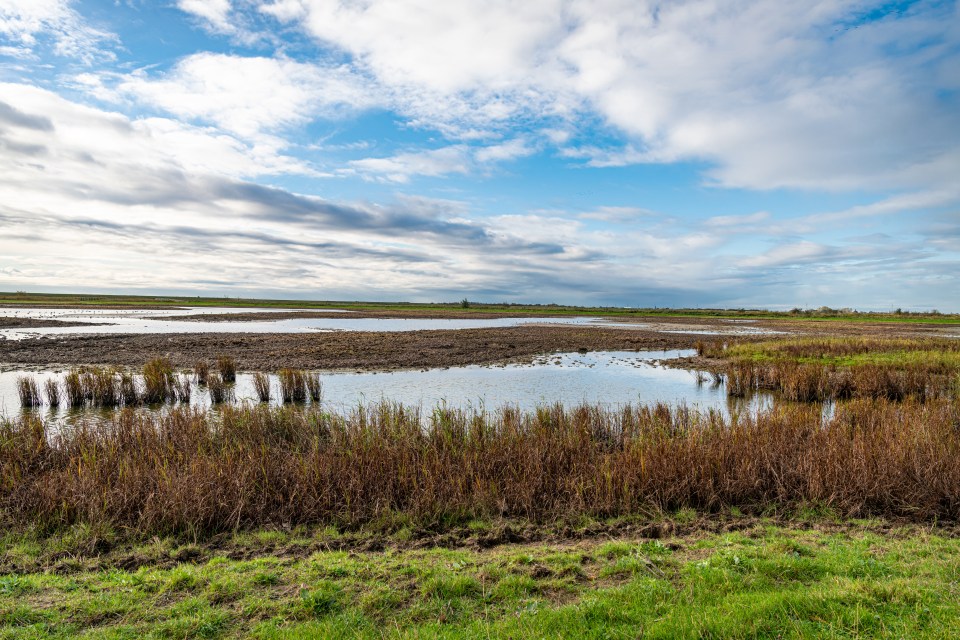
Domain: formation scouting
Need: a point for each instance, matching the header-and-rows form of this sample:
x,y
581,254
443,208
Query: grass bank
x,y
766,580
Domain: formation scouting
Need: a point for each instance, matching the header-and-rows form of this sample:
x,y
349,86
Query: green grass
x,y
766,581
850,352
823,314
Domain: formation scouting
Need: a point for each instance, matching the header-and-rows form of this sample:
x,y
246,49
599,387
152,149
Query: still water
x,y
130,321
608,378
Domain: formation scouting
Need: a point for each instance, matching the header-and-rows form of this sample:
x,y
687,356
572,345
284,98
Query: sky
x,y
636,153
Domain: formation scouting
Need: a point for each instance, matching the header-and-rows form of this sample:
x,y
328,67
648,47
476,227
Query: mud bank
x,y
351,350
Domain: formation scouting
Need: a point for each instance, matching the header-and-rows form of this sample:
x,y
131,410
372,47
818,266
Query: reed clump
x,y
293,385
255,466
73,387
816,383
314,386
201,370
228,368
261,385
220,392
101,387
158,381
29,392
52,387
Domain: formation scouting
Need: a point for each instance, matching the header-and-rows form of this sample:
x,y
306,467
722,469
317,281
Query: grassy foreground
x,y
763,581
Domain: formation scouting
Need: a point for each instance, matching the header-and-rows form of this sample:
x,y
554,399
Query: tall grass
x,y
100,387
293,385
813,382
158,381
261,384
314,386
254,466
201,370
53,387
29,392
73,386
219,391
228,368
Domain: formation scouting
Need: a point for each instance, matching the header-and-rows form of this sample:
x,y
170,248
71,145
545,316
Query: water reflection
x,y
607,378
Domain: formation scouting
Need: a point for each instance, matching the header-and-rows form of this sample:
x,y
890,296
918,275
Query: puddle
x,y
607,378
111,321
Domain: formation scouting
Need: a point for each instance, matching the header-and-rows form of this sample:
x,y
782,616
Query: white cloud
x,y
459,158
248,96
213,12
804,95
24,21
402,166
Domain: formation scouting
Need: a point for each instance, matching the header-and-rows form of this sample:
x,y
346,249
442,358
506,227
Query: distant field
x,y
83,300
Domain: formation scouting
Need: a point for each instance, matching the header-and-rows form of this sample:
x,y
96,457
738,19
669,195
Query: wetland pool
x,y
139,321
608,378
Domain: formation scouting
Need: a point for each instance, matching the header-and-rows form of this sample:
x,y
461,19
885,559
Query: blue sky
x,y
616,152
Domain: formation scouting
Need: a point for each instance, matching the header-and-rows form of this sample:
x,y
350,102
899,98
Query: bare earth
x,y
34,323
337,350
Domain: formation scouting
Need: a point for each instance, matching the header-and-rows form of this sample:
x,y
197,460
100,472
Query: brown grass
x,y
29,392
52,387
261,384
73,386
201,370
293,385
219,391
199,473
314,386
227,366
812,382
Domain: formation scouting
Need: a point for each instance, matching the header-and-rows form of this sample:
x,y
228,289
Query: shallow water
x,y
130,321
608,378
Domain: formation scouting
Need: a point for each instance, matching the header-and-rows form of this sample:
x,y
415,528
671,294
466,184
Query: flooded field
x,y
607,378
153,321
229,320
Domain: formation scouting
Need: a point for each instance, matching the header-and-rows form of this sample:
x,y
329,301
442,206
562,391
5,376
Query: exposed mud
x,y
35,323
345,350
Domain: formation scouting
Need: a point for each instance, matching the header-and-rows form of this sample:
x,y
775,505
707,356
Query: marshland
x,y
585,479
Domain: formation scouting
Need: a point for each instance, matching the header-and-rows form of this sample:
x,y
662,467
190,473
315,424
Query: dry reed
x,y
228,368
52,387
293,385
219,391
314,386
73,386
29,392
201,370
254,466
261,384
158,381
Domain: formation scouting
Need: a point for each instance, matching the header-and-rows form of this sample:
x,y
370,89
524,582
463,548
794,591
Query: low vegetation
x,y
227,366
866,580
818,369
253,466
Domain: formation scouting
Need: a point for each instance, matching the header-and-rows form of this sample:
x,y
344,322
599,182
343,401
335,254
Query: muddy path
x,y
345,350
